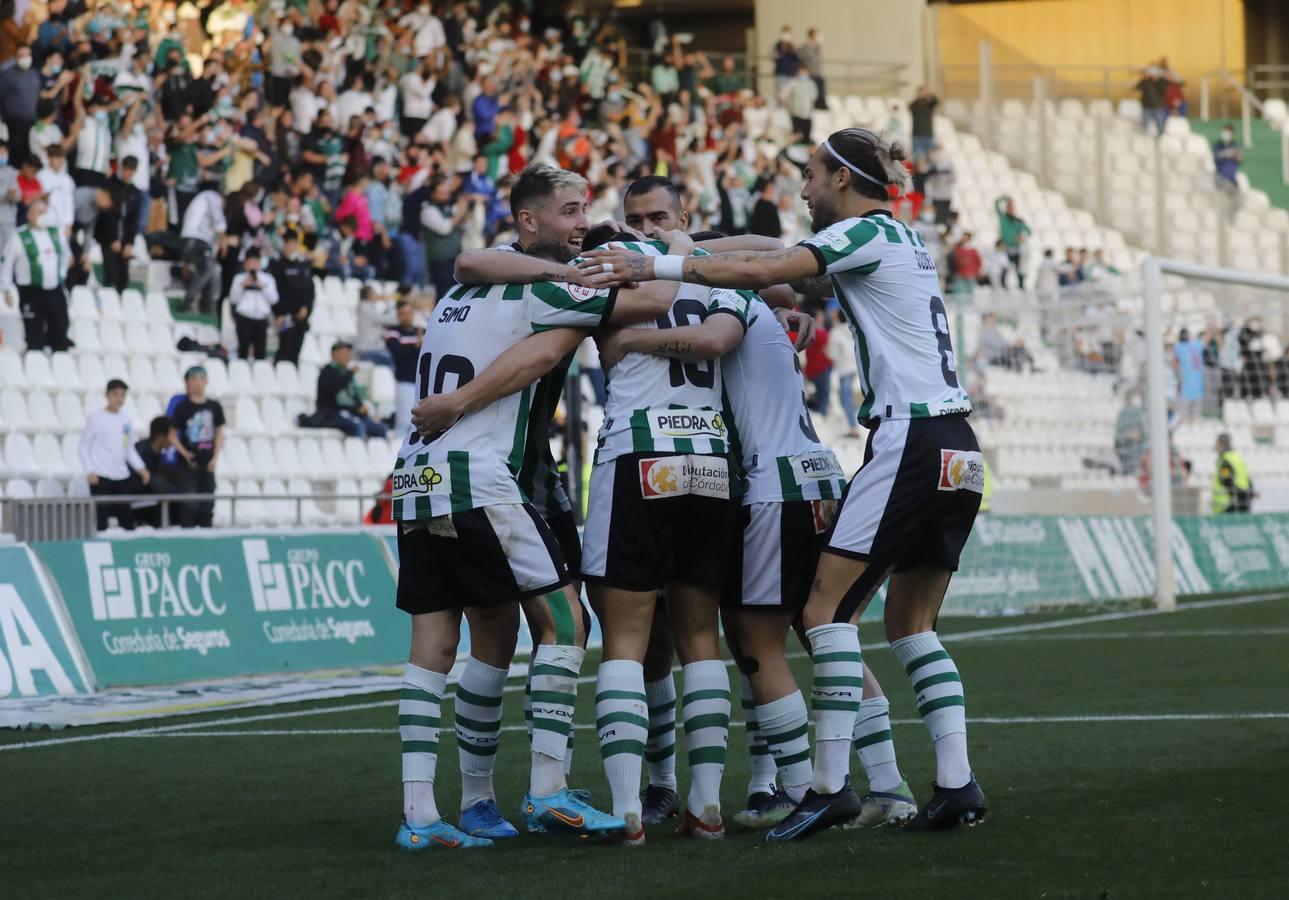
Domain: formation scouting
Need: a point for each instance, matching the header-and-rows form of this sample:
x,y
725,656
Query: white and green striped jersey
x,y
538,474
660,405
771,434
475,462
887,285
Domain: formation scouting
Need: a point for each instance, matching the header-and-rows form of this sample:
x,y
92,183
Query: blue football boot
x,y
439,836
567,811
483,820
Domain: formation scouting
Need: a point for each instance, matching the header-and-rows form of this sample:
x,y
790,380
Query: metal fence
x,y
76,518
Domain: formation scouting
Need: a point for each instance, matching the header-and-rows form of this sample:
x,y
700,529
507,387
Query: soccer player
x,y
549,209
660,515
911,507
469,539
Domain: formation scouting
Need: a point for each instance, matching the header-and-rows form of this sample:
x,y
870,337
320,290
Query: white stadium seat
x,y
70,412
66,376
239,377
13,409
83,305
159,308
109,304
133,308
265,377
39,372
333,454
44,415
12,373
246,417
19,457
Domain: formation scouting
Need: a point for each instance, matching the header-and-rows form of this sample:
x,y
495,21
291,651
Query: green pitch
x,y
1131,757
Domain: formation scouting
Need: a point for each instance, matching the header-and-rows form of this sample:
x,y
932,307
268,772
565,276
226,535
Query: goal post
x,y
1155,271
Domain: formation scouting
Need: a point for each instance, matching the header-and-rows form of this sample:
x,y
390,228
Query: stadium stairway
x,y
1262,164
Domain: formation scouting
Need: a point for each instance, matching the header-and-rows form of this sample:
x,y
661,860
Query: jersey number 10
x,y
449,364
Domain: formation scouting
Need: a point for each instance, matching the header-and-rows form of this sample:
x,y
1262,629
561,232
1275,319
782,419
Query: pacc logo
x,y
151,588
302,581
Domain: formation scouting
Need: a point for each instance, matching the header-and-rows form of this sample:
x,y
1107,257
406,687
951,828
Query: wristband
x,y
669,268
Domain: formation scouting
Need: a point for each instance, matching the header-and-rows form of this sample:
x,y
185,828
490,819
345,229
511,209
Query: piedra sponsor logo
x,y
303,580
424,481
688,423
817,466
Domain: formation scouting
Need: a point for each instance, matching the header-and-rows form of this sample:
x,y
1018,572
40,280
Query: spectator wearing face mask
x,y
284,60
19,94
36,261
252,296
1227,157
293,274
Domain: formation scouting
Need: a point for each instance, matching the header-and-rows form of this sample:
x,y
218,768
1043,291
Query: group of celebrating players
x,y
713,506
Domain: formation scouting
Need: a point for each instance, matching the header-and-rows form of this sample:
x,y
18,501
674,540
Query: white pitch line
x,y
1152,635
979,634
978,720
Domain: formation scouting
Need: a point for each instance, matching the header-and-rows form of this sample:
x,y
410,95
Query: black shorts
x,y
564,526
481,557
914,500
640,543
774,559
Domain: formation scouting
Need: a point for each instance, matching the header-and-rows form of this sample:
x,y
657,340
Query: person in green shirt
x,y
1013,231
728,80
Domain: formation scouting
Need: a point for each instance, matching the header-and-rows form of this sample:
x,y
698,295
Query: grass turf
x,y
1155,807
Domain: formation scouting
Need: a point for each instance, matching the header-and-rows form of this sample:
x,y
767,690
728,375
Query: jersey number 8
x,y
940,324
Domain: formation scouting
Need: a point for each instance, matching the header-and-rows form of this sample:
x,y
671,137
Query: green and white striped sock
x,y
622,725
528,696
835,693
941,703
705,708
477,717
660,749
875,746
761,779
419,718
783,727
555,669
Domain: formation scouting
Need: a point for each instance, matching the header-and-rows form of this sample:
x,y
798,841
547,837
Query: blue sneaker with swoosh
x,y
439,836
815,813
484,820
567,811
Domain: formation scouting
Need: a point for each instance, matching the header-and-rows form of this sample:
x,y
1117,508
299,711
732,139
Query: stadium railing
x,y
74,518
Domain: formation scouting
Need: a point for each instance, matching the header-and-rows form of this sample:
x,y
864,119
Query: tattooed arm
x,y
741,269
818,286
503,267
716,336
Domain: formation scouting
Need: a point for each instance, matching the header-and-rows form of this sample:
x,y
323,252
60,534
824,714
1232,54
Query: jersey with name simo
x,y
888,288
771,434
474,463
538,473
660,405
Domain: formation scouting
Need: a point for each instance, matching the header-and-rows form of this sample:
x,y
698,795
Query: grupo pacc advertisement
x,y
151,610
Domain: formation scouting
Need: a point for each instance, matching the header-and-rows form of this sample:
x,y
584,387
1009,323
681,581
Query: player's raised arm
x,y
740,269
503,267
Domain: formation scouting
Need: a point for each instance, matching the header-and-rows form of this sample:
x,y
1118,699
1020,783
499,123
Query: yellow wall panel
x,y
1197,36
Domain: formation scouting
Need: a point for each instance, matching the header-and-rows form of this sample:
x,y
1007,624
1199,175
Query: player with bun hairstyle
x,y
909,511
